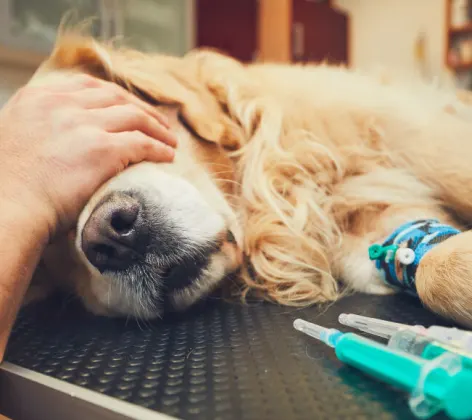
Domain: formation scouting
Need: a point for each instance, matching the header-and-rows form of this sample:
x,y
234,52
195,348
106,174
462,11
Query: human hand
x,y
60,143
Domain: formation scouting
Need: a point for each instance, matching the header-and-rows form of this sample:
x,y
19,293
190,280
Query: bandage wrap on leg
x,y
398,257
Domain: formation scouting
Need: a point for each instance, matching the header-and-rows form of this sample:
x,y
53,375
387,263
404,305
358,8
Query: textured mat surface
x,y
219,361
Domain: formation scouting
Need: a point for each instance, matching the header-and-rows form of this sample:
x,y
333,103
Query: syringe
x,y
426,347
413,340
438,384
451,336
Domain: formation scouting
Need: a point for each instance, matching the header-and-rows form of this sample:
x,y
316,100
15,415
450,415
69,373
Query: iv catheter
x,y
438,384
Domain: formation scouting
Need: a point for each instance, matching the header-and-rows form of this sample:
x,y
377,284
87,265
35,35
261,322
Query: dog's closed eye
x,y
230,237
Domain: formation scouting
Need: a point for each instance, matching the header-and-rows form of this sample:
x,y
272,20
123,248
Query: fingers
x,y
110,94
70,83
134,147
129,117
93,93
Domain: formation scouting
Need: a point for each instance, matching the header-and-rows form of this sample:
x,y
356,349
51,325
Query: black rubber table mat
x,y
219,361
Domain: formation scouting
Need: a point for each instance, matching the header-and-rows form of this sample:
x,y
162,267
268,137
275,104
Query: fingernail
x,y
174,140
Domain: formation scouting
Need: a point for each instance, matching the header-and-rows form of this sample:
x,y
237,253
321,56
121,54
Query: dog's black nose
x,y
114,234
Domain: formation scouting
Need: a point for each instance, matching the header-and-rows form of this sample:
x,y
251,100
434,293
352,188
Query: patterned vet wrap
x,y
420,236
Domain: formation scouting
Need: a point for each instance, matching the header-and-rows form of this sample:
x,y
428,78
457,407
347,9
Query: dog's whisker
x,y
229,181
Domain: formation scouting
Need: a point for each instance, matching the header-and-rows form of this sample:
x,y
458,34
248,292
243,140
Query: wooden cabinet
x,y
229,26
319,32
303,31
459,35
274,30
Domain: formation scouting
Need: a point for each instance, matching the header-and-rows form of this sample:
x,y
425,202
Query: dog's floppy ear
x,y
157,78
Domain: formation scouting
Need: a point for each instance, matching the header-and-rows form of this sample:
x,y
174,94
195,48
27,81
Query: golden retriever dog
x,y
284,174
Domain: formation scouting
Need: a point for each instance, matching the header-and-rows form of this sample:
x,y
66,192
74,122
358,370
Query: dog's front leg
x,y
443,277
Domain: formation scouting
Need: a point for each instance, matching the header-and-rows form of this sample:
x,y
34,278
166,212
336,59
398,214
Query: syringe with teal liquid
x,y
427,343
385,329
442,383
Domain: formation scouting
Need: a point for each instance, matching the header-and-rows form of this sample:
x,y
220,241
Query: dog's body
x,y
299,168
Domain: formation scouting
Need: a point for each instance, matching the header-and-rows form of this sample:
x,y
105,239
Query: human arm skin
x,y
22,241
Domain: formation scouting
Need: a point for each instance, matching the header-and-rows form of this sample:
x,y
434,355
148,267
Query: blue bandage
x,y
398,257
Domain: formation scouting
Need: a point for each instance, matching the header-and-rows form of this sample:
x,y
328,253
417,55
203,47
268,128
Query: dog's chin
x,y
145,293
120,294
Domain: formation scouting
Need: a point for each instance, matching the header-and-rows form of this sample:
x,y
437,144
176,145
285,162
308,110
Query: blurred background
x,y
429,37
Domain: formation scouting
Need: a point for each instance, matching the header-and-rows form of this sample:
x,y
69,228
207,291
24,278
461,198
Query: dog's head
x,y
156,236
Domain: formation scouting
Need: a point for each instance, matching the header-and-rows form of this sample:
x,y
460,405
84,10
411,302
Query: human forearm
x,y
22,240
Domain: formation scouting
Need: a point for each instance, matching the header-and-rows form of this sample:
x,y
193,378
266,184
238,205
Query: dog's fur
x,y
306,165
